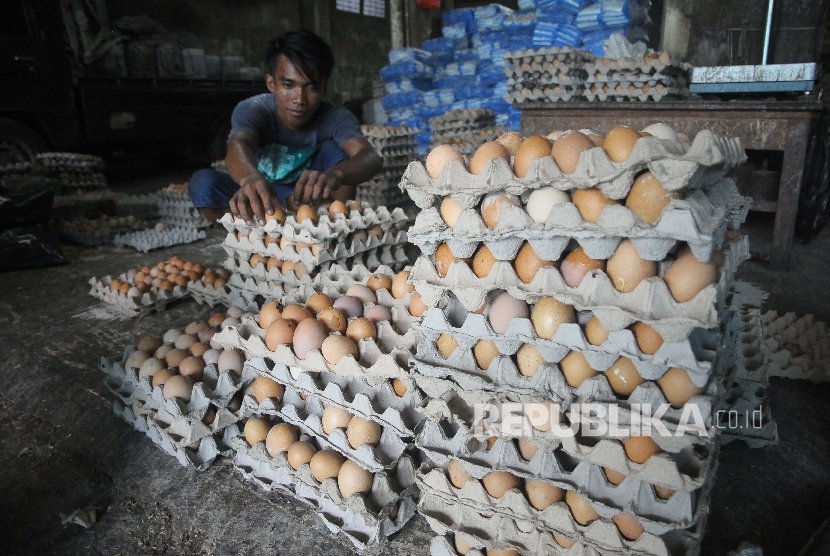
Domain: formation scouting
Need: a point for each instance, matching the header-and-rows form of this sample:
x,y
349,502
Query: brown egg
x,y
362,431
281,331
640,448
184,341
577,265
529,360
461,545
677,387
686,277
308,336
300,453
399,387
333,319
353,479
232,361
256,430
446,344
444,258
377,282
318,302
663,493
497,483
337,207
527,449
548,313
150,367
485,153
192,367
647,198
336,347
305,212
115,285
278,214
265,388
510,141
504,309
629,526
363,293
590,202
581,509
219,283
648,339
379,313
148,344
623,376
209,416
576,369
619,142
563,540
594,332
356,206
493,204
417,307
439,157
483,261
268,314
162,376
457,474
567,148
325,464
400,286
175,357
528,263
256,260
166,285
450,211
614,477
280,438
541,494
508,552
335,418
297,313
352,307
485,351
531,148
627,269
361,328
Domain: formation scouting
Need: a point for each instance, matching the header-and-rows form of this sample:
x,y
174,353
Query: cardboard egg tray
x,y
465,116
524,60
752,421
383,135
208,295
174,194
147,240
649,65
153,300
675,165
99,231
495,534
381,195
650,302
700,220
326,230
547,93
643,92
364,520
140,206
632,78
798,348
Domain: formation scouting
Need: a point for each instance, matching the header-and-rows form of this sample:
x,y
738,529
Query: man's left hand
x,y
315,186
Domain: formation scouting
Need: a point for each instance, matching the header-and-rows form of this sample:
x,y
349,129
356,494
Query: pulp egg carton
x,y
548,93
701,220
208,295
307,416
380,135
363,519
443,545
499,531
557,468
649,302
642,92
554,55
336,251
746,416
174,194
140,206
176,221
463,116
752,360
336,283
638,79
147,240
676,166
199,455
387,197
376,402
384,358
153,300
798,348
650,65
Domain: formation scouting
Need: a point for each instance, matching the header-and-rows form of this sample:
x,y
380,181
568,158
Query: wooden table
x,y
774,126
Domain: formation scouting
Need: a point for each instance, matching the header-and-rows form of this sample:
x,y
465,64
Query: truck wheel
x,y
18,142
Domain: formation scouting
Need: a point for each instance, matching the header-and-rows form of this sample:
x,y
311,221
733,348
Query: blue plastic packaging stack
x,y
599,20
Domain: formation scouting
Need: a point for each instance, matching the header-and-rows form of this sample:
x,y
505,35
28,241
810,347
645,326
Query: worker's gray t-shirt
x,y
284,154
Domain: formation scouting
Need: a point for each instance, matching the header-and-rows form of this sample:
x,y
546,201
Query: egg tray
x,y
363,521
464,136
307,416
148,240
669,65
378,360
178,209
70,233
544,75
334,252
447,514
386,197
653,94
555,467
505,538
336,282
467,116
539,56
798,348
325,230
169,196
753,421
154,300
377,402
199,457
208,295
388,133
650,302
442,545
676,166
635,78
546,94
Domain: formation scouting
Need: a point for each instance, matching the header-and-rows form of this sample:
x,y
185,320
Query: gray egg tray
x,y
546,93
798,348
153,300
208,295
653,94
148,240
604,66
550,55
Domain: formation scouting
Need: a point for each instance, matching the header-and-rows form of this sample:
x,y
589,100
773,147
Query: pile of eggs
x,y
333,327
307,212
177,360
163,277
546,315
324,464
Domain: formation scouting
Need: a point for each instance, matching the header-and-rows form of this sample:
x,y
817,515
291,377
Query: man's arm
x,y
341,180
255,197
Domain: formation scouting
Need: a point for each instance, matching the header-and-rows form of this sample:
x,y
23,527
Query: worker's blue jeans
x,y
213,189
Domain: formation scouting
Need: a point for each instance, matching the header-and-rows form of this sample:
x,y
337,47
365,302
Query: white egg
x,y
542,200
662,131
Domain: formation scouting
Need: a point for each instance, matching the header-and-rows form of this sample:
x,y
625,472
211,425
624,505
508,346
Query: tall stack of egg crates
x,y
464,129
396,146
546,74
176,208
538,321
649,78
77,173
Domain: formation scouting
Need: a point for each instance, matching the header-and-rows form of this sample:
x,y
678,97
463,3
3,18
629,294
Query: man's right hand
x,y
255,198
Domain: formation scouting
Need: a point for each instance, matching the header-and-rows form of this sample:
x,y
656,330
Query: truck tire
x,y
18,142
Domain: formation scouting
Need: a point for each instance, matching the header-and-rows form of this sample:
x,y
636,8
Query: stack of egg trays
x,y
148,240
208,295
642,79
176,427
177,210
798,348
547,74
141,206
153,300
382,192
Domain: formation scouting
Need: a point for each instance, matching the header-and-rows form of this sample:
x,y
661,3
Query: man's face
x,y
297,97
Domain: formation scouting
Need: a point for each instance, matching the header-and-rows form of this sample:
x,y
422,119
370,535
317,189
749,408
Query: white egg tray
x,y
377,402
364,520
556,468
199,456
384,358
545,93
619,93
153,300
652,65
393,197
650,302
753,422
544,75
388,133
507,537
521,59
147,240
701,220
307,416
208,295
676,167
168,197
326,230
798,348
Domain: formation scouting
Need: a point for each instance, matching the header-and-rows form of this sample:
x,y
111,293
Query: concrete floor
x,y
61,447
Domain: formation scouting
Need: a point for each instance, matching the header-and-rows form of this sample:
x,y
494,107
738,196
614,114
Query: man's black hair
x,y
305,50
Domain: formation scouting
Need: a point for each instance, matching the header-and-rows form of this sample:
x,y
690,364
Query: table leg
x,y
798,134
